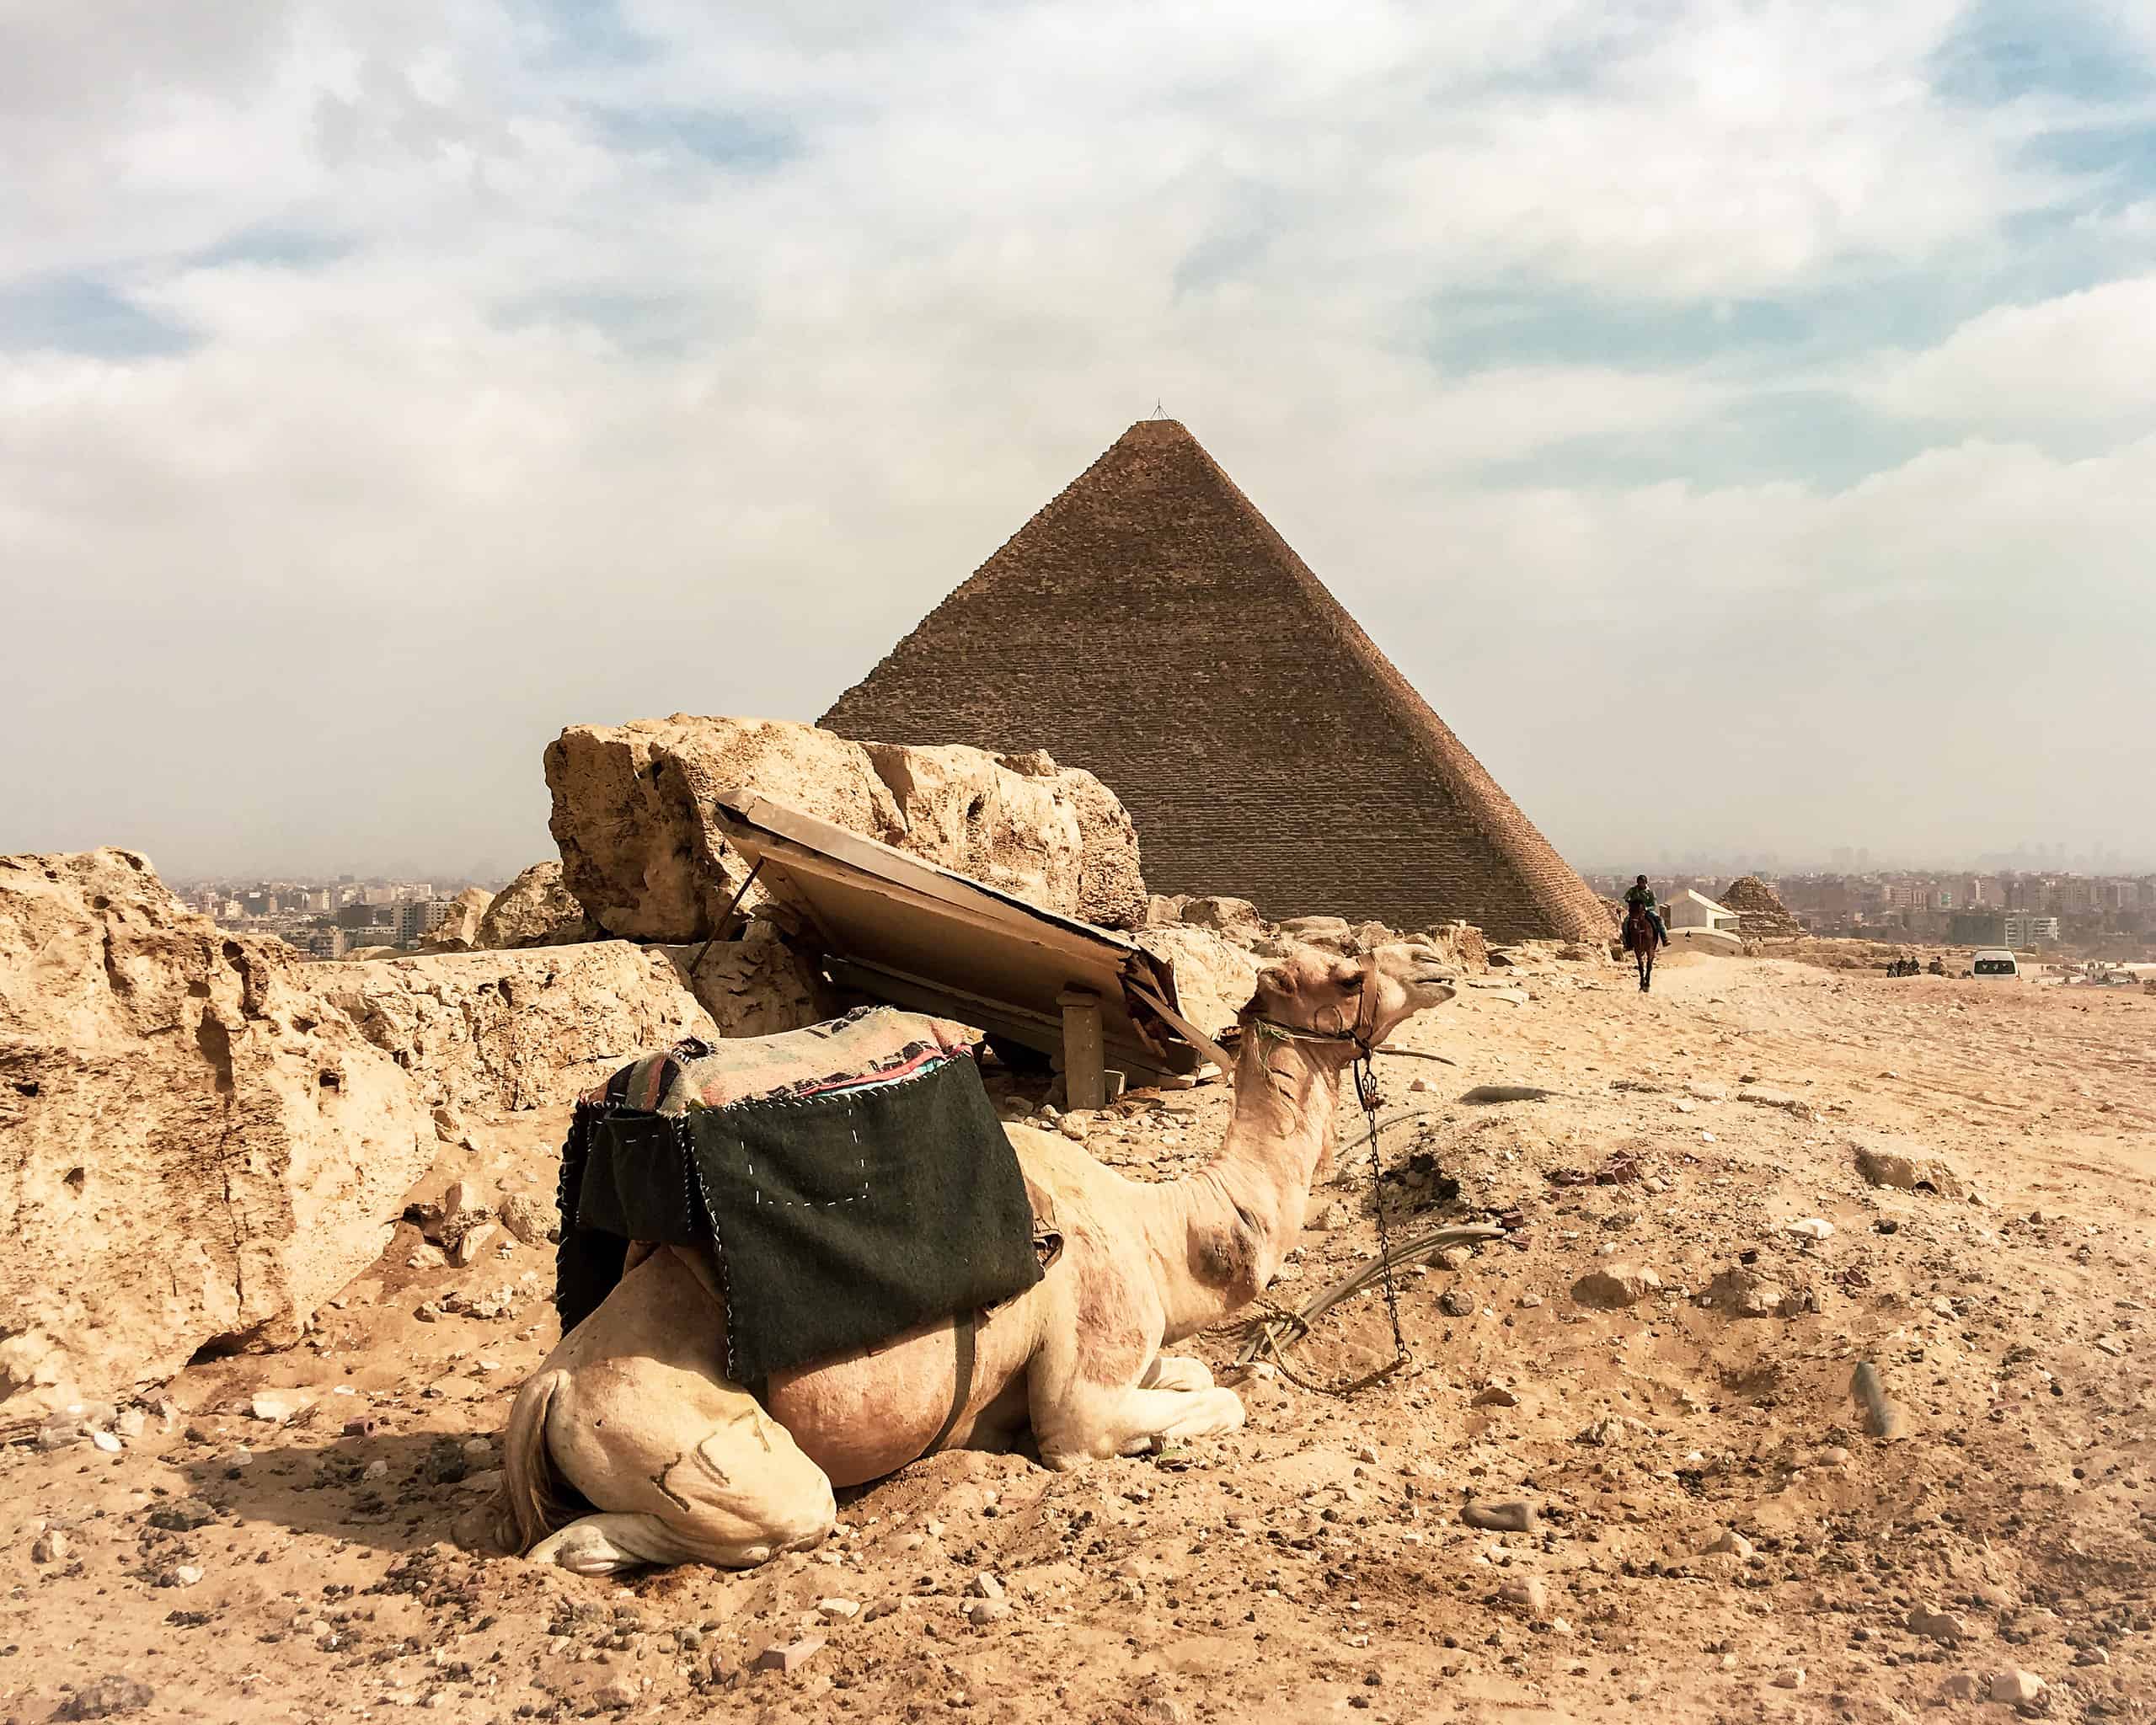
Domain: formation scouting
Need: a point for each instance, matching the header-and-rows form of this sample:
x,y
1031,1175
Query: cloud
x,y
2082,359
380,390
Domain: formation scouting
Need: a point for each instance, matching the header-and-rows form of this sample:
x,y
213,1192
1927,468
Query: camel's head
x,y
1368,997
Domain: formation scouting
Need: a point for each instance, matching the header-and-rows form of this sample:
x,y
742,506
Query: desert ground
x,y
1716,1533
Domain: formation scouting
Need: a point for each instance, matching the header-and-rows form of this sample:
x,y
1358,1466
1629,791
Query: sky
x,y
1739,420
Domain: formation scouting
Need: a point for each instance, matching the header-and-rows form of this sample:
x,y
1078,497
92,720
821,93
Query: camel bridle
x,y
1363,1038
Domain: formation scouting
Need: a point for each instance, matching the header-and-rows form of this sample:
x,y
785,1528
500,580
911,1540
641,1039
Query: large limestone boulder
x,y
459,930
535,909
643,849
1214,977
518,1030
196,1146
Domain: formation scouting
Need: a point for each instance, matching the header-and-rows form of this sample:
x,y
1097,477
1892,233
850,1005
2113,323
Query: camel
x,y
631,1412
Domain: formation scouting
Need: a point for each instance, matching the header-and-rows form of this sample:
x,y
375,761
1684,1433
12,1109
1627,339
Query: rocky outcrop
x,y
535,909
518,1030
1214,977
198,1147
757,986
644,852
459,930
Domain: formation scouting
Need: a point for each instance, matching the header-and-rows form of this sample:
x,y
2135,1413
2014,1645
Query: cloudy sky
x,y
1766,392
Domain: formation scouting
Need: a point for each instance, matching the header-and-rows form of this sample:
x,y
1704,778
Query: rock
x,y
1500,1515
1810,1228
1336,1216
459,930
2113,1345
265,1406
1456,1257
986,1611
985,1586
181,1515
1616,1287
1332,932
1765,1096
201,1147
532,1222
1909,1173
839,1611
644,852
1961,1686
756,985
1730,1544
1072,1127
107,1698
1936,1625
471,1243
1745,1293
1213,980
1705,1092
1531,1596
535,909
519,1030
1793,1678
181,1575
1235,919
615,1697
2013,1687
1456,1302
1495,1396
51,1546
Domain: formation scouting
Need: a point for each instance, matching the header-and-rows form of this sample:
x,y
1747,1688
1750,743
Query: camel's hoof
x,y
480,1531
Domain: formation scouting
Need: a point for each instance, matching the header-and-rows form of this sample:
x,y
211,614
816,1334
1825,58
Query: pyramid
x,y
1150,626
1759,912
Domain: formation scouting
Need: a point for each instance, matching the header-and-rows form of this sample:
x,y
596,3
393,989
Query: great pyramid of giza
x,y
1150,626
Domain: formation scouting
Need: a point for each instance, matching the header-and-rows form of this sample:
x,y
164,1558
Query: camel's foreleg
x,y
1130,1422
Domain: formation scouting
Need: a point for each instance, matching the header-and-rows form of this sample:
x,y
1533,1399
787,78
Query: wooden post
x,y
1085,1083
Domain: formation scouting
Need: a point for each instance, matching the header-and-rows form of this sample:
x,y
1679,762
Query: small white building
x,y
1697,922
1689,909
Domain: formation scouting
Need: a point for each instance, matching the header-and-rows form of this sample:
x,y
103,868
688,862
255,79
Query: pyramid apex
x,y
1155,432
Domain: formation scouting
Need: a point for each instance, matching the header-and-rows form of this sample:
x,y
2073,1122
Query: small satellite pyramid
x,y
1150,626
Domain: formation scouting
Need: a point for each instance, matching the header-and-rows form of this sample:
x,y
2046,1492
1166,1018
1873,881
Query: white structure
x,y
1690,909
1698,924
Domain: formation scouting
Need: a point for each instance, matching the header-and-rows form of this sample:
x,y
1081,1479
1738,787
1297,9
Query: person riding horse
x,y
1641,897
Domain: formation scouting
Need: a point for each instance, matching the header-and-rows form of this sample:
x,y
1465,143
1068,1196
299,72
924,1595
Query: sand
x,y
1316,1565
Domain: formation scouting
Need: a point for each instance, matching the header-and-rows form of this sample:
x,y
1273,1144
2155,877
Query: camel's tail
x,y
530,1485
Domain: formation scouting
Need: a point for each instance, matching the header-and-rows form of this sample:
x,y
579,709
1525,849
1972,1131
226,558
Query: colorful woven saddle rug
x,y
851,1180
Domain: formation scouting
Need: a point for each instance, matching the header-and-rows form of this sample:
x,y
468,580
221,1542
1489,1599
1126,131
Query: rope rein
x,y
1366,1092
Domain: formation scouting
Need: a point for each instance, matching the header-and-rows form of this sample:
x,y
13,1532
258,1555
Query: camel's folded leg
x,y
683,1467
1176,1371
1129,1422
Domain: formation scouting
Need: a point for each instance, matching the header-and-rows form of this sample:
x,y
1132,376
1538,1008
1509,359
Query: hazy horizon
x,y
1735,420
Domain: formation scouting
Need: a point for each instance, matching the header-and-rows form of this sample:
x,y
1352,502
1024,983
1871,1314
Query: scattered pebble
x,y
1500,1515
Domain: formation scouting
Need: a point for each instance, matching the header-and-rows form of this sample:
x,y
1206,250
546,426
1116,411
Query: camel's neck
x,y
1217,1237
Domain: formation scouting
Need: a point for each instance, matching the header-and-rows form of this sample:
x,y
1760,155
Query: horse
x,y
1639,941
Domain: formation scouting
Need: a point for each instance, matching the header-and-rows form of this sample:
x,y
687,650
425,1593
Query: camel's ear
x,y
1345,971
1276,980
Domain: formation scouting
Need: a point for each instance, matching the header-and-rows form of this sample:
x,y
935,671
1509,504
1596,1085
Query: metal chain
x,y
1366,1092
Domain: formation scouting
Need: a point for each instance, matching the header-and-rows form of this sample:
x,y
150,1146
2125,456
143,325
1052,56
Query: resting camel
x,y
674,1463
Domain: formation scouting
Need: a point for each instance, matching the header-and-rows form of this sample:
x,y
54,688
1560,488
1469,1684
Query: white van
x,y
1994,961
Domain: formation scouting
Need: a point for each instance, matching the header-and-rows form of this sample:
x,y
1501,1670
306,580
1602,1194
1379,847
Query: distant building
x,y
324,943
1978,928
1689,909
2027,929
411,920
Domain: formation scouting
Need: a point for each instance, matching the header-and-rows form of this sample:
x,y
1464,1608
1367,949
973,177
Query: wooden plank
x,y
1085,1080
